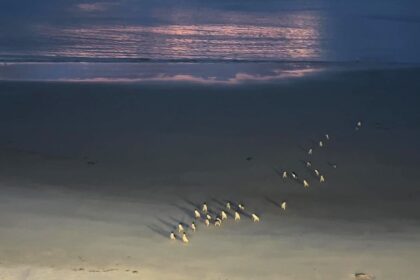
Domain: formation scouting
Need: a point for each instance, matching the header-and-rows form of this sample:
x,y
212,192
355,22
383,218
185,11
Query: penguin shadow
x,y
191,203
167,224
277,171
177,222
159,230
272,202
381,126
298,181
245,213
304,162
302,148
314,143
163,228
214,213
220,205
332,164
218,202
314,177
186,211
229,213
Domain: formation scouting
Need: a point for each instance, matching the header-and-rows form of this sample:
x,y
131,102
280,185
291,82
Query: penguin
x,y
180,227
237,216
255,218
358,125
283,205
207,222
204,208
223,215
197,214
185,238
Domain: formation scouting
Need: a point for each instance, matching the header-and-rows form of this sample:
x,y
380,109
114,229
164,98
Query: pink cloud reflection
x,y
202,73
237,79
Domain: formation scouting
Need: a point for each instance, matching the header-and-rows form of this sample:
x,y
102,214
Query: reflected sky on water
x,y
198,30
203,73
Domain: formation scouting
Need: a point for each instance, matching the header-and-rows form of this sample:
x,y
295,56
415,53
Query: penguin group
x,y
322,143
217,217
213,217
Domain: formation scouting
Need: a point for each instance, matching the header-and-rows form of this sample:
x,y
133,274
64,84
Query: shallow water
x,y
322,30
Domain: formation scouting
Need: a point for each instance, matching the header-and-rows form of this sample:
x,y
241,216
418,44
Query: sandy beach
x,y
94,176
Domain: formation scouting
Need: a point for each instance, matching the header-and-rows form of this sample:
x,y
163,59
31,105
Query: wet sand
x,y
94,176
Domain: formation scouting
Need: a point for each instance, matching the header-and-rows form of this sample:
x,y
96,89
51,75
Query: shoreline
x,y
207,73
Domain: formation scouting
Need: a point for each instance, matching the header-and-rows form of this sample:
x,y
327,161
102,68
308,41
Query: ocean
x,y
210,31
